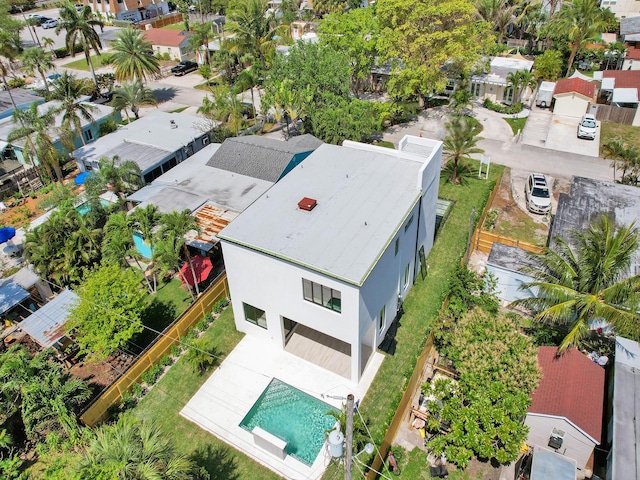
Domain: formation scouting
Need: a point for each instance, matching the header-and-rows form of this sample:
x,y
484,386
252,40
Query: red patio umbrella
x,y
202,267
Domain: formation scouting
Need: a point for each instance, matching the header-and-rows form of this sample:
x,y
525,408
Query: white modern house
x,y
331,250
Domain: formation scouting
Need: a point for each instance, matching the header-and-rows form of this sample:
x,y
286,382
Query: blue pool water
x,y
84,208
293,416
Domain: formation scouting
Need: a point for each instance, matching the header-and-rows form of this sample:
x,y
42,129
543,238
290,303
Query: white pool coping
x,y
232,389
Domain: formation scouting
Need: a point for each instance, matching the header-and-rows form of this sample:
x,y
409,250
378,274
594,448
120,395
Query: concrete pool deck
x,y
232,389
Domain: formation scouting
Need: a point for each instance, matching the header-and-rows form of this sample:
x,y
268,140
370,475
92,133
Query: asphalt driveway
x,y
563,137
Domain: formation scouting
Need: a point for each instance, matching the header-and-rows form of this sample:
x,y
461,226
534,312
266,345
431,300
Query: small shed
x,y
572,97
504,265
547,464
46,325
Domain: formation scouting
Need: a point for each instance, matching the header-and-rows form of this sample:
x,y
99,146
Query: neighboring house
x,y
587,200
632,59
175,43
131,10
90,129
46,325
329,252
219,182
622,8
572,97
300,28
621,88
567,407
493,84
504,264
624,424
22,98
156,142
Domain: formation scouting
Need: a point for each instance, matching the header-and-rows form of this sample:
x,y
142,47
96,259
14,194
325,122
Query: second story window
x,y
321,295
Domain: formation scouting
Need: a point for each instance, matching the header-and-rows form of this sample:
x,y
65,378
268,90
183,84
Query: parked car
x,y
537,194
51,23
79,6
587,127
37,20
184,67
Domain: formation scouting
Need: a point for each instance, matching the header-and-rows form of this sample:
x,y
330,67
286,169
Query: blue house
x,y
21,97
90,129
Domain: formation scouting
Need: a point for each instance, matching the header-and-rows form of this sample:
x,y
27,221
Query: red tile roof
x,y
572,386
577,85
633,54
161,36
624,78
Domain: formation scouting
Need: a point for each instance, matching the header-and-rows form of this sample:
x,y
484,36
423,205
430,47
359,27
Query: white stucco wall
x,y
570,105
631,64
576,444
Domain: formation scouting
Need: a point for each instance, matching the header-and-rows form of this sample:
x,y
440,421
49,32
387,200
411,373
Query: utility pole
x,y
348,457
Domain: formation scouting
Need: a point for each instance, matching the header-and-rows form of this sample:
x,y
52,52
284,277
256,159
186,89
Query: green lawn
x,y
175,389
516,124
422,305
81,63
414,467
179,110
175,26
614,131
162,309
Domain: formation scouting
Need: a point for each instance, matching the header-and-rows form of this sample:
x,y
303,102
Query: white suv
x,y
587,127
537,194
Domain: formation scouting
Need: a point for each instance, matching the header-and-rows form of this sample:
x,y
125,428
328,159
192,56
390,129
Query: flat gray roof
x,y
153,130
25,277
510,258
146,157
587,200
626,394
363,194
260,157
46,325
192,183
11,294
629,26
551,465
21,96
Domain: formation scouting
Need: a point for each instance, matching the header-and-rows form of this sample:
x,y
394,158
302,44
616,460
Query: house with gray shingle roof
x,y
263,158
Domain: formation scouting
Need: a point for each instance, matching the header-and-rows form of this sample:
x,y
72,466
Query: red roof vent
x,y
307,204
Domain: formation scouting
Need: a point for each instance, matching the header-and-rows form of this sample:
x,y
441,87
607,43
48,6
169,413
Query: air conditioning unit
x,y
556,439
205,141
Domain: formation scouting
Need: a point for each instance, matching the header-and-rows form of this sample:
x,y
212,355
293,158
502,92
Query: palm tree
x,y
519,81
587,280
69,91
460,143
176,225
134,449
166,259
80,26
133,56
581,21
133,96
201,355
498,13
10,46
254,31
225,107
199,39
35,129
49,43
121,178
37,60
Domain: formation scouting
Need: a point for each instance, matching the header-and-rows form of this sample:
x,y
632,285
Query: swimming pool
x,y
84,208
293,416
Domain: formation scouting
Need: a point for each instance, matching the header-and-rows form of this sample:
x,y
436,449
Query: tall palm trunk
x,y
6,87
87,55
44,80
193,272
574,51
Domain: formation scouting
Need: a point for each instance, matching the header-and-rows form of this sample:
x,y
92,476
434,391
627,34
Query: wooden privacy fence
x,y
159,22
98,409
610,113
403,409
478,225
484,240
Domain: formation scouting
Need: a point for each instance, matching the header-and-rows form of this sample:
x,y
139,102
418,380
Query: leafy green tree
x,y
342,119
10,45
133,96
199,39
421,36
354,34
201,356
498,13
548,66
166,259
121,177
37,60
109,311
586,280
79,26
460,143
133,56
223,107
323,7
134,449
69,90
255,32
482,411
35,130
581,21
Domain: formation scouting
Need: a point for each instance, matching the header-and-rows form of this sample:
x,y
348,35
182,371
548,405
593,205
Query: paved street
x,y
503,149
